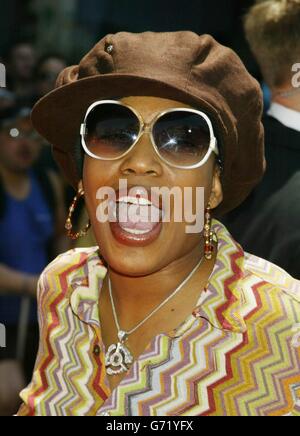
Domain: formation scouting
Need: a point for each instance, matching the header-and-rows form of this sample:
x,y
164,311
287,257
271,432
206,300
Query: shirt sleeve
x,y
34,392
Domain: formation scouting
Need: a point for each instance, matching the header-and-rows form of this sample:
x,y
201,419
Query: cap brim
x,y
58,115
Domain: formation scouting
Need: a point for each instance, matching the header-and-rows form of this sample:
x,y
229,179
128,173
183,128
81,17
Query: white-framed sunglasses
x,y
182,137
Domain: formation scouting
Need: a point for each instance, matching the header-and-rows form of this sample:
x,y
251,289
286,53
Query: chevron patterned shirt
x,y
236,354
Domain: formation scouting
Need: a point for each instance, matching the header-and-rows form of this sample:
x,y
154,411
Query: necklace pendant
x,y
118,359
122,336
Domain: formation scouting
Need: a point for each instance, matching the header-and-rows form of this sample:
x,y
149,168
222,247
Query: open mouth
x,y
136,219
137,215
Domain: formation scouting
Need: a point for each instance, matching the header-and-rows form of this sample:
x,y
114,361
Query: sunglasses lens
x,y
182,138
111,130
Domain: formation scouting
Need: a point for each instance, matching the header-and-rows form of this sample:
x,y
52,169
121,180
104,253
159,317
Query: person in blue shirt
x,y
32,213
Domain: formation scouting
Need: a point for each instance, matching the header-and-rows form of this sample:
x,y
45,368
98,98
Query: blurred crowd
x,y
33,207
29,77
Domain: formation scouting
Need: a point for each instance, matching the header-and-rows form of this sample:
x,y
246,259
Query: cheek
x,y
96,174
90,184
197,178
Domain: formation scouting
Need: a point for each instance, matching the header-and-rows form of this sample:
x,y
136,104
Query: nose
x,y
142,160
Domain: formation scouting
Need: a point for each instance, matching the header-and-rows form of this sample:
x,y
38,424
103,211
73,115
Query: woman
x,y
161,319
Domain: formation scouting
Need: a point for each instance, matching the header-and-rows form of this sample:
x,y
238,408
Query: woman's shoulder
x,y
271,310
71,258
273,275
270,272
68,268
258,275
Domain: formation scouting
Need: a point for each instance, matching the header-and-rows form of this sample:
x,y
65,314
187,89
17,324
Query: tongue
x,y
137,217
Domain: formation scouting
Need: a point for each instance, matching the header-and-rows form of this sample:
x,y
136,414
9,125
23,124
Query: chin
x,y
132,267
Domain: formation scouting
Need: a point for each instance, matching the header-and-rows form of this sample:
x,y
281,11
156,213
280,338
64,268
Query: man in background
x,y
21,64
267,224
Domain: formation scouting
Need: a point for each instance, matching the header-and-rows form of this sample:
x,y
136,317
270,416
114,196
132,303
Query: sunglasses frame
x,y
148,127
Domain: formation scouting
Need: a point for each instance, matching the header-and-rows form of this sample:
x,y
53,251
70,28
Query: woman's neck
x,y
135,297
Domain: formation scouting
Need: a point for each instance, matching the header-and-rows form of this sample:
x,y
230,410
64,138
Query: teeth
x,y
136,232
135,200
115,212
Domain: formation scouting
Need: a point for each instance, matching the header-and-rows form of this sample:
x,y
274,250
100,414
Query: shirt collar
x,y
288,117
222,303
86,284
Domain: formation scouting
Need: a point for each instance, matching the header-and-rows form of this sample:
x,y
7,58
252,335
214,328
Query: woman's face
x,y
142,167
20,146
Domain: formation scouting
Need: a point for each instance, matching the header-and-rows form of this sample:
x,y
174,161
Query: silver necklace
x,y
118,357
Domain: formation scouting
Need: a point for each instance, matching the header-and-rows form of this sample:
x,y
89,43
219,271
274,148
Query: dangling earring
x,y
208,235
69,225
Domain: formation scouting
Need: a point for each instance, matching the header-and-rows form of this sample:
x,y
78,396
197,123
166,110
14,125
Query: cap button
x,y
109,48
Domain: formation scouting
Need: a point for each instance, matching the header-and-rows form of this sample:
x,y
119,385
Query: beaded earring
x,y
69,225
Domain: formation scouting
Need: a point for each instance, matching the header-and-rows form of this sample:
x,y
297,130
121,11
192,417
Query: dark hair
x,y
79,156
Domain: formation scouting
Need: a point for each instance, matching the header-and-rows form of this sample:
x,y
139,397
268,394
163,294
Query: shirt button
x,y
96,350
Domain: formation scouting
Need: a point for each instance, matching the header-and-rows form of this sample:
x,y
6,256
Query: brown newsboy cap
x,y
183,66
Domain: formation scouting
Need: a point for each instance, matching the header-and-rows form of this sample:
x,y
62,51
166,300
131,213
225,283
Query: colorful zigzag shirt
x,y
237,354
